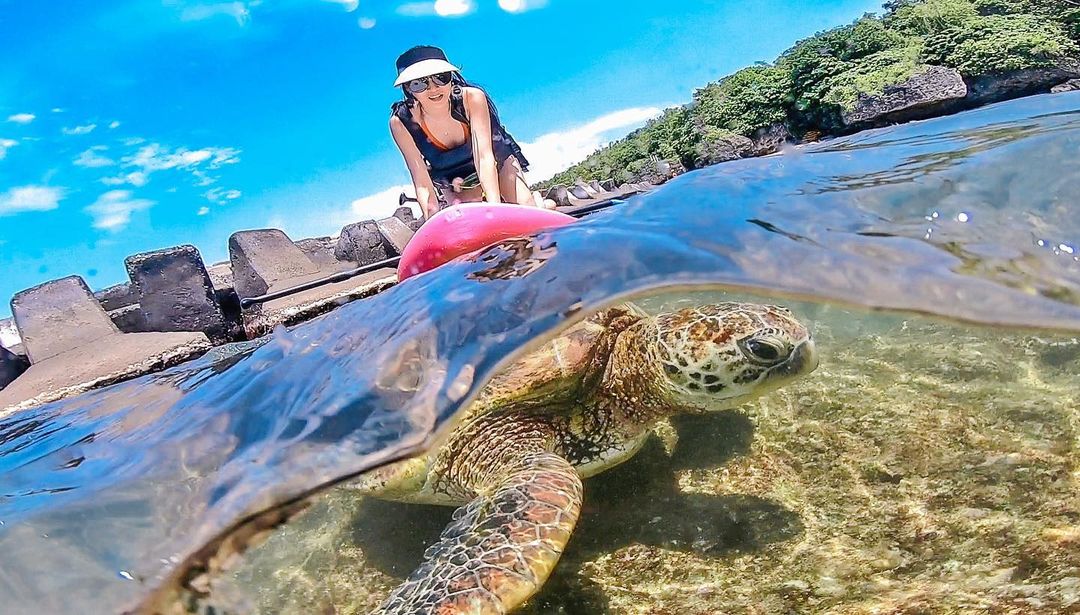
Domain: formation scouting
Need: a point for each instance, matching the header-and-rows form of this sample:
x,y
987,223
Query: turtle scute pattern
x,y
576,407
697,352
498,550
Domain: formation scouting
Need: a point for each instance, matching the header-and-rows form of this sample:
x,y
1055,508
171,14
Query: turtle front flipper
x,y
500,548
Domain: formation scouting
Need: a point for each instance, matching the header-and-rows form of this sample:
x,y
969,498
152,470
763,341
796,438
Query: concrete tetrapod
x,y
266,262
73,346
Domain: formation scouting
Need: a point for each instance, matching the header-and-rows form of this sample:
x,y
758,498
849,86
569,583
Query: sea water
x,y
924,467
928,465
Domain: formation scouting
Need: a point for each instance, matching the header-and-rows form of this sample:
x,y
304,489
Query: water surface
x,y
930,461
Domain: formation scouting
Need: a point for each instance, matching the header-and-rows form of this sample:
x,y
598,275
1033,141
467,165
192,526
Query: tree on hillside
x,y
813,83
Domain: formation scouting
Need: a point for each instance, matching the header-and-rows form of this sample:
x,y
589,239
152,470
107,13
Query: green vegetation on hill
x,y
1000,43
809,87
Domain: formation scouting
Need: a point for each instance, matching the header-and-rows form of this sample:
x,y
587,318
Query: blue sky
x,y
133,125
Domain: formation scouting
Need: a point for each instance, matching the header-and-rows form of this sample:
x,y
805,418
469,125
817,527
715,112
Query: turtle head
x,y
718,356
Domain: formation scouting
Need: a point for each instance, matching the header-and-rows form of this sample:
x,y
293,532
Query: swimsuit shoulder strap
x,y
434,140
431,137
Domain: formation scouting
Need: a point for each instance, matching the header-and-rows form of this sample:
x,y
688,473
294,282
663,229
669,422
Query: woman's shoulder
x,y
398,122
473,94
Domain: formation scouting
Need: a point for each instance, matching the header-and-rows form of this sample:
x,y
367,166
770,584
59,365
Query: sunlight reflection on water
x,y
968,218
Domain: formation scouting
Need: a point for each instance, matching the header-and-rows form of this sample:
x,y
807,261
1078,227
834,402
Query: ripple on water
x,y
925,463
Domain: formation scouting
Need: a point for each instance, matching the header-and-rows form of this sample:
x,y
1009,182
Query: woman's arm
x,y
476,104
421,179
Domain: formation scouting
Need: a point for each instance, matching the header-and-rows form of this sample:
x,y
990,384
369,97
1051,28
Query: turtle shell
x,y
560,370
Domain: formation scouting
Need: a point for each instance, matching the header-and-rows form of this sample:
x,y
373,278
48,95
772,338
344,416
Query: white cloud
x,y
221,196
202,211
135,178
331,205
9,335
416,9
80,130
350,5
440,8
112,210
4,145
22,118
555,151
366,23
520,6
155,157
92,159
198,12
453,8
114,124
377,206
30,198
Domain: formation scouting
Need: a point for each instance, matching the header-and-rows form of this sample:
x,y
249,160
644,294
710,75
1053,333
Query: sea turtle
x,y
578,405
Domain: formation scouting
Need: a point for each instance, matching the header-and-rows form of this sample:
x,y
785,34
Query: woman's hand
x,y
428,200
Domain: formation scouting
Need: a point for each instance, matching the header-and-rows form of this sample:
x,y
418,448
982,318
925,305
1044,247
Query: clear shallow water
x,y
109,497
924,467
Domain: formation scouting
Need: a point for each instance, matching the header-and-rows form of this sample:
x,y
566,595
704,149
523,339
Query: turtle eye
x,y
763,351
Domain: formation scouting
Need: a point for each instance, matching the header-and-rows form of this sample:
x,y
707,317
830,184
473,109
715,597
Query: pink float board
x,y
469,227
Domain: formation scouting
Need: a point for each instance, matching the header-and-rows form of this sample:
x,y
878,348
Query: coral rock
x,y
922,95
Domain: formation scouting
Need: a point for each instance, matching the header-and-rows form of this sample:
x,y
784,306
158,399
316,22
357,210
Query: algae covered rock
x,y
921,58
921,95
994,87
830,69
771,138
722,146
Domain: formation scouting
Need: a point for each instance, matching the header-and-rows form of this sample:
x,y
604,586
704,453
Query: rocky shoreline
x,y
268,260
921,59
937,92
64,339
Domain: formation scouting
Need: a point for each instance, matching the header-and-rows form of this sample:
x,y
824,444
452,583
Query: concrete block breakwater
x,y
64,339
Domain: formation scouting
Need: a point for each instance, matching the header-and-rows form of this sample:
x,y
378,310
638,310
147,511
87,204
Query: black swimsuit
x,y
445,164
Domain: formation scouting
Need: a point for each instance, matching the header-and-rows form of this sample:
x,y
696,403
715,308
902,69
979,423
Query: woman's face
x,y
432,89
435,93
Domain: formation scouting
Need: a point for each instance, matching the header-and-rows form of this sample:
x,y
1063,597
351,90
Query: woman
x,y
451,138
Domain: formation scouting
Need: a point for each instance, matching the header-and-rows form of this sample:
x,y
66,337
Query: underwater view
x,y
806,344
926,466
925,460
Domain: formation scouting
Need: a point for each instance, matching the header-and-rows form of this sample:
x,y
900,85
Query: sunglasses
x,y
419,85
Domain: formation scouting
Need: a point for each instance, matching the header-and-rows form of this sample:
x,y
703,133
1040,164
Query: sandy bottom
x,y
923,468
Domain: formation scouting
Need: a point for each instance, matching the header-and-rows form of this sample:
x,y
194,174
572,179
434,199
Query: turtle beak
x,y
803,360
